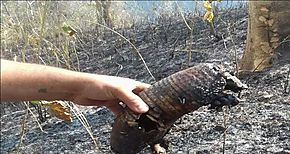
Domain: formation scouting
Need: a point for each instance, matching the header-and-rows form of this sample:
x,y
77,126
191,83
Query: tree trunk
x,y
268,25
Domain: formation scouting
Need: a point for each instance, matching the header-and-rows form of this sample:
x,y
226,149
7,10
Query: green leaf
x,y
68,29
35,102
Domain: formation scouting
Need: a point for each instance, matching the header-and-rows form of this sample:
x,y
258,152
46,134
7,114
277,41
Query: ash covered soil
x,y
259,124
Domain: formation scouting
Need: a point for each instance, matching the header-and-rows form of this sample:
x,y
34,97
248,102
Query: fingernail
x,y
143,107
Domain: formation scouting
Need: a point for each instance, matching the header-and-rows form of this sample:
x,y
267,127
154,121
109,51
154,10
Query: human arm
x,y
27,82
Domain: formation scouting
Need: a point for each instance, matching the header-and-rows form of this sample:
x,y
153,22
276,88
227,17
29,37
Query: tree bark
x,y
268,25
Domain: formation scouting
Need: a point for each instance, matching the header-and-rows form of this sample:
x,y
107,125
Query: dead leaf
x,y
56,108
60,111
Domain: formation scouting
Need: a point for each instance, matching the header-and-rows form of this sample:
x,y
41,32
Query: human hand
x,y
109,91
27,82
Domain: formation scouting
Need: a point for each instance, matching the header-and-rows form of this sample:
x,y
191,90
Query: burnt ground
x,y
259,124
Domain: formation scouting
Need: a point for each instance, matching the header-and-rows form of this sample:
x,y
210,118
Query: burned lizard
x,y
169,99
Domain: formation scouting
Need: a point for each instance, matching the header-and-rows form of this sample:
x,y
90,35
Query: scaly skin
x,y
169,99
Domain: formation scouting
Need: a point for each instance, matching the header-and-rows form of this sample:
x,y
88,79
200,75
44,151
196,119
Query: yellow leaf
x,y
59,110
207,5
208,16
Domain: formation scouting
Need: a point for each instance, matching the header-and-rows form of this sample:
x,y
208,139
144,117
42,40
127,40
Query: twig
x,y
190,47
41,60
191,33
234,45
121,68
196,51
218,140
235,51
84,122
179,9
40,127
5,7
22,131
137,51
174,43
224,43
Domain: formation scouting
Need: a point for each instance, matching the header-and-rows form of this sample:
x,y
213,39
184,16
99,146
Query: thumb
x,y
133,101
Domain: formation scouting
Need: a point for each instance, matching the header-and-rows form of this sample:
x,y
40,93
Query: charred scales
x,y
169,99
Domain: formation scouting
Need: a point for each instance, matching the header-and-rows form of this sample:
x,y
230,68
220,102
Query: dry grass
x,y
31,31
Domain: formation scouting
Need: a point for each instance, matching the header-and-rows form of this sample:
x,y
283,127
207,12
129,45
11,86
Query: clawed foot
x,y
158,149
224,100
228,98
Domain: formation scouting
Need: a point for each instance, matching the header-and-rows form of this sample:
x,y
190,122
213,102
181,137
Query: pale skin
x,y
28,82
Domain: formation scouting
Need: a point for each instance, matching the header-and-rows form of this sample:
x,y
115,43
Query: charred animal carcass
x,y
168,100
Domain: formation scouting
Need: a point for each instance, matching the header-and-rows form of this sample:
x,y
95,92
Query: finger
x,y
87,102
140,87
137,90
116,109
92,102
144,85
112,105
133,101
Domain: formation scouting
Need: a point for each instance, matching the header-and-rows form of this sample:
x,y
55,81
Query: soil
x,y
259,124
